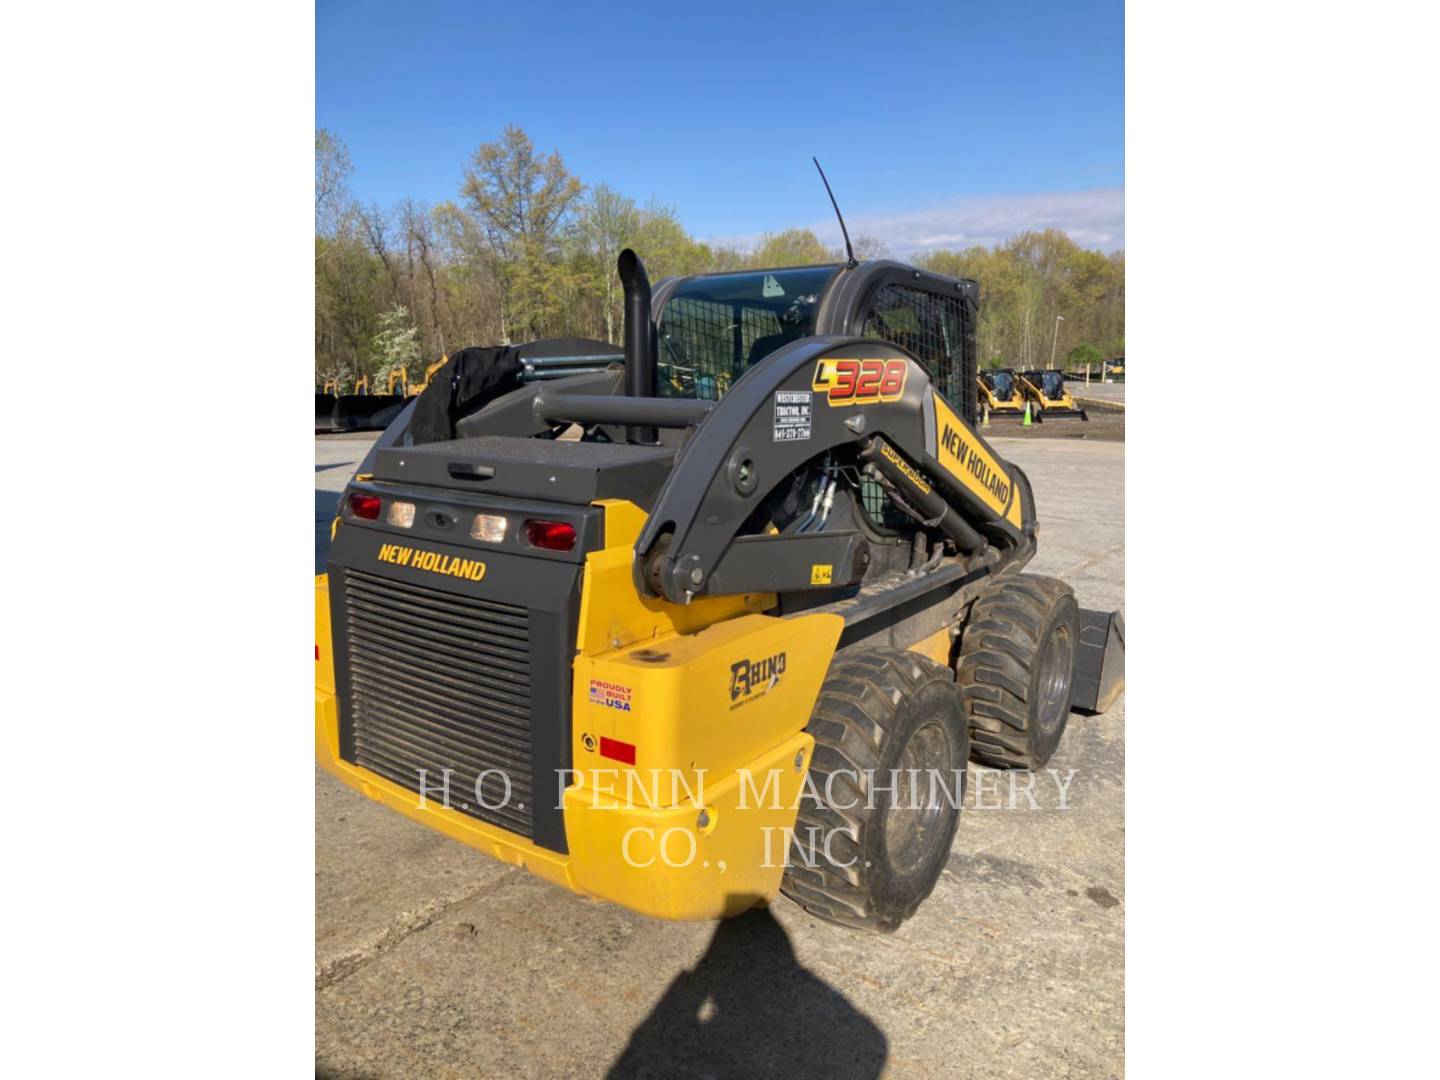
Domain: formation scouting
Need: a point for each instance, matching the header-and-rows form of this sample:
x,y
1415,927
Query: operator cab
x,y
712,328
1000,383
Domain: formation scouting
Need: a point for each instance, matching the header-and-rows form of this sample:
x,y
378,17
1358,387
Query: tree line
x,y
528,251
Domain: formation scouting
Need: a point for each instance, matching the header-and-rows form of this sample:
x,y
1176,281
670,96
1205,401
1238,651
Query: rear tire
x,y
1016,670
880,710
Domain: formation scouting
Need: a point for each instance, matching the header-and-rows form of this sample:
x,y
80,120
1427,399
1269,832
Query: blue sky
x,y
939,124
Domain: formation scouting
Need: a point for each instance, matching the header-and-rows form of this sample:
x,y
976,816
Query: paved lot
x,y
433,960
1098,390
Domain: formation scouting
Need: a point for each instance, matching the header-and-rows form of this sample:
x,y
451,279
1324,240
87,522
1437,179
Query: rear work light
x,y
489,527
365,506
551,535
401,514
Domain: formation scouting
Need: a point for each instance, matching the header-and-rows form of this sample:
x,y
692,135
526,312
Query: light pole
x,y
1058,320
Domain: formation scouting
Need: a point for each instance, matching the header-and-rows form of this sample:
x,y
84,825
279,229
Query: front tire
x,y
1016,670
881,714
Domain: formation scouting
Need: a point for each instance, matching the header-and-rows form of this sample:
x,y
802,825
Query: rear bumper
x,y
653,860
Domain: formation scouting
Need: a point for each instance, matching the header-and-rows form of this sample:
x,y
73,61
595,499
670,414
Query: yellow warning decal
x,y
960,451
433,561
820,573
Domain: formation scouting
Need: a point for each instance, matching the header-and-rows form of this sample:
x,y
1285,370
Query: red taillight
x,y
553,535
616,750
365,506
317,652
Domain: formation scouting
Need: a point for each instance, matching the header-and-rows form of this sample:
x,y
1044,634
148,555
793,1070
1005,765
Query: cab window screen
x,y
713,328
938,329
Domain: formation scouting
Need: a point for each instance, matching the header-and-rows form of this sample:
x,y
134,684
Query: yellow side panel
x,y
660,862
613,614
623,522
704,703
962,454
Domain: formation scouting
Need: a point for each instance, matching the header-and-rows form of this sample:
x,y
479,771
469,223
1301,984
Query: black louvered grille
x,y
441,681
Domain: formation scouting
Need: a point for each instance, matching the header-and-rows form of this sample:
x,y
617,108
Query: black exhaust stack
x,y
639,340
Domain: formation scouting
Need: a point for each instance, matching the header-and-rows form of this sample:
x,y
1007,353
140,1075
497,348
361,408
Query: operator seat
x,y
764,346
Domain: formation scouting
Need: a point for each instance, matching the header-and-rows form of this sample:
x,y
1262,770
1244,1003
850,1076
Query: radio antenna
x,y
849,251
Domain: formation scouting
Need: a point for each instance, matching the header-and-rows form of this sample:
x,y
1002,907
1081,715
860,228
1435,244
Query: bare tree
x,y
332,177
418,223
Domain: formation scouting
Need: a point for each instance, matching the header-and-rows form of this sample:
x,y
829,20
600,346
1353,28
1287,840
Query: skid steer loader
x,y
1046,392
1001,394
681,649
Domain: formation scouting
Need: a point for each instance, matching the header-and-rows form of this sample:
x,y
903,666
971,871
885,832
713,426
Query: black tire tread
x,y
854,712
998,648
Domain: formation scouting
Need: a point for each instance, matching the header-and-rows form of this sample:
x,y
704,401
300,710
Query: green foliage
x,y
1029,280
527,251
522,200
793,247
1083,354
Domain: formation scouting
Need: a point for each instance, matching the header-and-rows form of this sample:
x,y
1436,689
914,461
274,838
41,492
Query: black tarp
x,y
473,377
476,376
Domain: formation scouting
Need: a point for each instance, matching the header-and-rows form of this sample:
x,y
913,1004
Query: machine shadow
x,y
748,1008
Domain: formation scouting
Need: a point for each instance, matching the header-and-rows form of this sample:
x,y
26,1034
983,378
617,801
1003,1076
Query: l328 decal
x,y
861,382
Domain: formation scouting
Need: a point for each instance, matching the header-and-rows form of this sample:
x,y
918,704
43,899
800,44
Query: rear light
x,y
401,514
551,535
616,750
488,527
365,506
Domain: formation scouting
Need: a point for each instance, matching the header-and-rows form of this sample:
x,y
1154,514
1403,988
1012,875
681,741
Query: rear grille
x,y
440,681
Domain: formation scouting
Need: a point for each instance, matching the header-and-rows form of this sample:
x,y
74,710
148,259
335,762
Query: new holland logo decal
x,y
432,561
861,382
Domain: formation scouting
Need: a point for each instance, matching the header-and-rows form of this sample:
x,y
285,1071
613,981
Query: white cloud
x,y
1093,219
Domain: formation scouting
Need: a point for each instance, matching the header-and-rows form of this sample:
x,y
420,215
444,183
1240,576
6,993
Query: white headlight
x,y
489,528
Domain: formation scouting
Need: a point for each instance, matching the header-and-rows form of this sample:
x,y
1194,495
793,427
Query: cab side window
x,y
937,328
